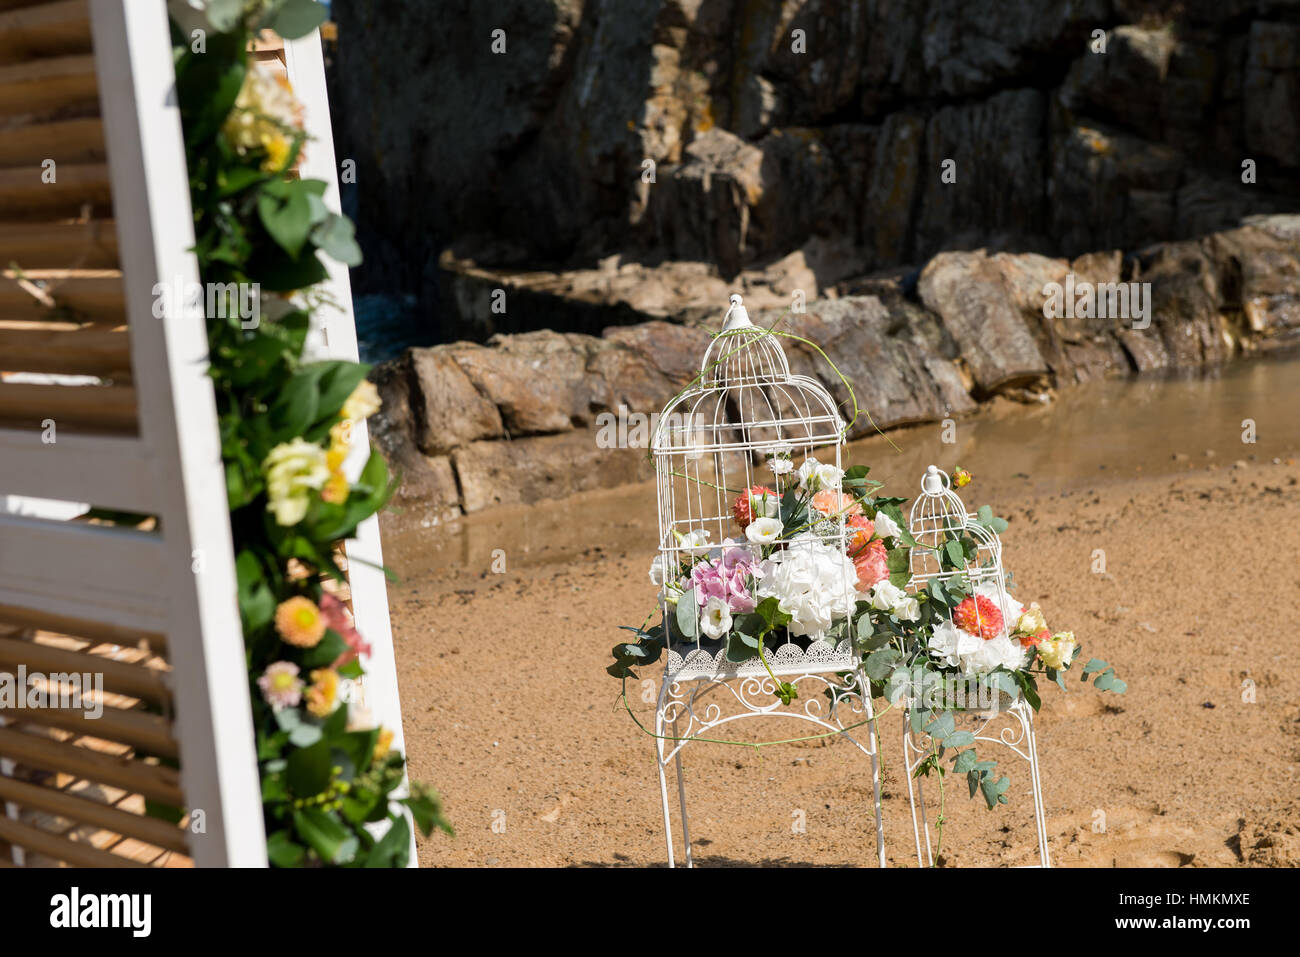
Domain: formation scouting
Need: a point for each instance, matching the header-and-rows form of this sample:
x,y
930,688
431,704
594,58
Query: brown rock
x,y
970,296
446,409
542,467
530,400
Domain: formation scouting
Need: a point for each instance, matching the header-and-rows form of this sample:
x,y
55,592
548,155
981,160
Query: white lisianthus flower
x,y
886,527
829,476
781,466
885,596
659,570
695,542
951,644
1059,652
763,531
293,469
814,583
764,505
909,609
715,620
815,476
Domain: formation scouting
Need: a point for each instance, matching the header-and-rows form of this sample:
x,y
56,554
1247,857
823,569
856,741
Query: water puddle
x,y
1103,432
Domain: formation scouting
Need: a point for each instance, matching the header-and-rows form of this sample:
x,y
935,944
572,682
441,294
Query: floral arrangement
x,y
286,427
818,556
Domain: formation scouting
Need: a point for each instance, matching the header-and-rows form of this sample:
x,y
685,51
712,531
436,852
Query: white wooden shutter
x,y
89,84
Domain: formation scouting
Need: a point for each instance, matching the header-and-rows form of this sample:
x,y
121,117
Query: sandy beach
x,y
508,709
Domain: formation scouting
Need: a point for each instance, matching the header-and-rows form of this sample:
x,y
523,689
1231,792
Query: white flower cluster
x,y
814,476
814,582
888,597
975,655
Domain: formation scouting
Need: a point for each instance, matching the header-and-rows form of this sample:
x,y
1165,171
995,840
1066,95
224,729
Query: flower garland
x,y
286,426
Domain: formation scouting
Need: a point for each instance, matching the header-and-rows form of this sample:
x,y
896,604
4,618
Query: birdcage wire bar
x,y
714,441
938,513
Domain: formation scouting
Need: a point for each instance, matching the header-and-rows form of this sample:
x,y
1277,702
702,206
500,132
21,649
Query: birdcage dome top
x,y
745,397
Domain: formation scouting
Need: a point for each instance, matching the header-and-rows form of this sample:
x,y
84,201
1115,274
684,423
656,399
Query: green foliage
x,y
321,781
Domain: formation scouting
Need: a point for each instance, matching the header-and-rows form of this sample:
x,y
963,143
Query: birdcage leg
x,y
663,779
1040,812
915,797
681,798
874,743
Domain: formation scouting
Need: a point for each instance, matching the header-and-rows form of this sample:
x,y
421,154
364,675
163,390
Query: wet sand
x,y
509,712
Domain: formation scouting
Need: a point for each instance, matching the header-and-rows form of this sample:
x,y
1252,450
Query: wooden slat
x,y
154,781
79,140
74,408
77,294
120,677
50,29
24,195
139,729
88,351
84,571
81,810
116,472
78,853
54,245
99,631
58,86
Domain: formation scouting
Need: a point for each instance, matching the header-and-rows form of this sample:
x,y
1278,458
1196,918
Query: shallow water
x,y
1103,432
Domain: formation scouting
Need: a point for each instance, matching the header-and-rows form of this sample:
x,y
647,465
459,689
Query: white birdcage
x,y
938,517
715,441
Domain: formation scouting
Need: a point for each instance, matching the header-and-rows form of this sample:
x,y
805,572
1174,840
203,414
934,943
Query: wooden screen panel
x,y
75,784
64,349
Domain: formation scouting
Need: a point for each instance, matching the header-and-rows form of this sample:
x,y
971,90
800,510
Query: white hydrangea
x,y
814,582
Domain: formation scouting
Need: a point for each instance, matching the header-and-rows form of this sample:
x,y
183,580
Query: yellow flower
x,y
336,489
322,696
265,117
363,401
293,469
1059,652
383,744
340,443
299,622
1031,620
277,152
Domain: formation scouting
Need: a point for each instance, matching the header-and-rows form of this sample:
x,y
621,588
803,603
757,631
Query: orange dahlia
x,y
978,616
299,622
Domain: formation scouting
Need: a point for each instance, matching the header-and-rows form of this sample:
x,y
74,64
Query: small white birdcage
x,y
939,519
745,420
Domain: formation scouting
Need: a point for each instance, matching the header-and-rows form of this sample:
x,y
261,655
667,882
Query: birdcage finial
x,y
737,316
934,481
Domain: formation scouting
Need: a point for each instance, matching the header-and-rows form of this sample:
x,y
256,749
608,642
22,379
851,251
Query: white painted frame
x,y
178,433
335,336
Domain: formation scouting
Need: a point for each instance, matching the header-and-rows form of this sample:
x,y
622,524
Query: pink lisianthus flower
x,y
336,617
